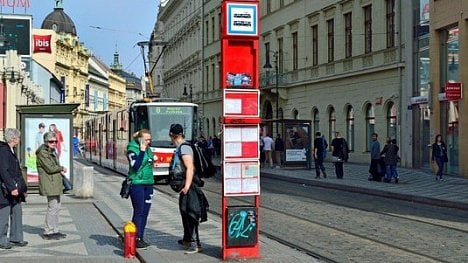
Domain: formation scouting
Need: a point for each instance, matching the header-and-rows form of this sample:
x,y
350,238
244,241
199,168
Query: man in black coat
x,y
13,190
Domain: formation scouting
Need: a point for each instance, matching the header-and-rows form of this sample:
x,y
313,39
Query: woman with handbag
x,y
50,184
140,173
439,155
13,192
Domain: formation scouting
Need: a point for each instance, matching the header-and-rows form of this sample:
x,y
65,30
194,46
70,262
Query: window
x,y
268,6
331,123
207,72
281,3
350,127
206,32
348,35
331,40
280,55
213,29
315,45
391,120
295,51
390,23
316,119
368,29
370,123
213,75
295,114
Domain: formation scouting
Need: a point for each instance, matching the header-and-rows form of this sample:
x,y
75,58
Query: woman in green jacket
x,y
140,172
50,183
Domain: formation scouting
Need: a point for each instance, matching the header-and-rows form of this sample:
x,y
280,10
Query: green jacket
x,y
144,175
48,167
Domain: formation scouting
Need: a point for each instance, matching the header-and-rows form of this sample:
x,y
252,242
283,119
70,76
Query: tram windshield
x,y
160,119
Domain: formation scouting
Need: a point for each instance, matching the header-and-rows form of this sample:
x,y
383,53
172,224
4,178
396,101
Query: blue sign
x,y
242,19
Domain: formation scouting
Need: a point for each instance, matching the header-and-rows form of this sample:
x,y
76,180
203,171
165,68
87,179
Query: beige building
x,y
449,64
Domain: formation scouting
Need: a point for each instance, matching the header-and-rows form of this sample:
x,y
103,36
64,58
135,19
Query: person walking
x,y
140,172
268,149
439,155
375,165
279,151
319,154
12,193
340,151
50,184
390,152
193,205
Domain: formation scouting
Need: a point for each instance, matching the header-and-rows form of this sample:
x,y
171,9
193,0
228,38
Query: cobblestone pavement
x,y
414,185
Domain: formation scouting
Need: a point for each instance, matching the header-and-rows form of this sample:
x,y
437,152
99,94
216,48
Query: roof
x,y
59,21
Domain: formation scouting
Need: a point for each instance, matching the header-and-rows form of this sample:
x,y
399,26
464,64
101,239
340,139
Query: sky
x,y
105,26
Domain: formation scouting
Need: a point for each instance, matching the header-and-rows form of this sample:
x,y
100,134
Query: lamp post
x,y
268,66
190,91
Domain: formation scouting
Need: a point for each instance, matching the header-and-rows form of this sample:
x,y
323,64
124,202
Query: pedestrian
x,y
279,151
391,159
340,151
193,205
217,145
13,192
439,155
50,184
140,172
319,154
268,149
375,168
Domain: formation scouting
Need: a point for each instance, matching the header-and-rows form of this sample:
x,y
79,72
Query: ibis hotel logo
x,y
42,44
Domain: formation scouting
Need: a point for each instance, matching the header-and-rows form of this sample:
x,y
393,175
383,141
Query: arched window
x,y
392,120
370,125
207,126
350,127
331,123
316,120
295,114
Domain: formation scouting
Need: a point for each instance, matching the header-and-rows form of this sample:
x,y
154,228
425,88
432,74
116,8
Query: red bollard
x,y
129,240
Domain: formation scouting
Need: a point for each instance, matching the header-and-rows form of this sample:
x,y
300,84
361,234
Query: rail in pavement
x,y
414,185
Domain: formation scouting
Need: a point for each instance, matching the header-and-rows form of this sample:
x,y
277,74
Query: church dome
x,y
58,21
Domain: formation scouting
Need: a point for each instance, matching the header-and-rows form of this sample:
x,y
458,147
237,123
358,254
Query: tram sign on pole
x,y
240,122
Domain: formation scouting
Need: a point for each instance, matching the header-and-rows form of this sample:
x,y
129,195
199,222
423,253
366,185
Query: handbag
x,y
67,185
126,186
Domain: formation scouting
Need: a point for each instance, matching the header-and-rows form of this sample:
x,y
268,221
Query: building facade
x,y
449,66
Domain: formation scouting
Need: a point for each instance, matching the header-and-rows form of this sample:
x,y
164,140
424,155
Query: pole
x,y
277,94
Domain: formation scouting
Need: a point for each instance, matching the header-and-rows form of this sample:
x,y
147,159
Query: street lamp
x,y
268,66
185,91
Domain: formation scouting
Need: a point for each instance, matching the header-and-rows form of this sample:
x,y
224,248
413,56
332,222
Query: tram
x,y
107,135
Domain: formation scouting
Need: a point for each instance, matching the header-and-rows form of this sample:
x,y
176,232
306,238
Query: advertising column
x,y
241,119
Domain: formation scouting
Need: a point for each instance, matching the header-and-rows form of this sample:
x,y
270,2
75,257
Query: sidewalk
x,y
414,185
94,229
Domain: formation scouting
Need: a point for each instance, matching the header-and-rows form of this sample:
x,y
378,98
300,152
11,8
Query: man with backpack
x,y
192,202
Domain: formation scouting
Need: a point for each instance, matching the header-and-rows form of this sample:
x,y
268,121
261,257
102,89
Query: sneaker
x,y
396,180
193,249
140,243
324,174
317,177
52,236
5,246
19,243
183,243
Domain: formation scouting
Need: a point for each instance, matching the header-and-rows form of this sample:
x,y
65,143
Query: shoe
x,y
396,180
324,175
5,246
50,237
60,235
19,243
140,243
185,244
442,179
193,249
317,177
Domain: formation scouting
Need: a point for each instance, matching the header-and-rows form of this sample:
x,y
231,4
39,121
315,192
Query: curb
x,y
368,191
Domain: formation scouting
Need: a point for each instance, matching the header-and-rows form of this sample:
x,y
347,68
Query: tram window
x,y
141,120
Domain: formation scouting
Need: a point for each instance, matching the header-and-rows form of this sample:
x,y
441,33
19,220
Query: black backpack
x,y
204,167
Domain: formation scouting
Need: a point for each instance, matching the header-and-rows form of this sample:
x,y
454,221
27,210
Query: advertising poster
x,y
34,132
295,141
